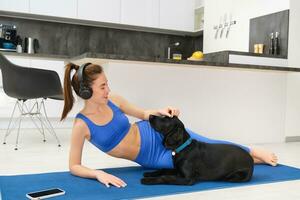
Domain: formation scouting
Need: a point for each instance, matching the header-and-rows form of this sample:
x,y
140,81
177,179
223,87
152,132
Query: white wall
x,y
293,90
242,12
239,105
294,30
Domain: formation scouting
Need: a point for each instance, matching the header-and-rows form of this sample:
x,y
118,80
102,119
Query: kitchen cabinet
x,y
100,10
66,8
140,12
199,15
15,5
177,14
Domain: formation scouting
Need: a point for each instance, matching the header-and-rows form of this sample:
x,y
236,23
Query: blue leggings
x,y
152,152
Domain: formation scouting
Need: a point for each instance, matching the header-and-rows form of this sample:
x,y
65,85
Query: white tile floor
x,y
34,156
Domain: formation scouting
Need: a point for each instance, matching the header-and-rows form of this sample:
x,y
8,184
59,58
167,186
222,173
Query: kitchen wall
x,y
262,27
69,39
294,30
242,12
292,127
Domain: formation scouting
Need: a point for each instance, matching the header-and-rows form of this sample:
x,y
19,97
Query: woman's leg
x,y
263,156
258,155
212,141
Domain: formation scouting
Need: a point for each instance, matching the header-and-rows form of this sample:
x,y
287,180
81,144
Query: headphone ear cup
x,y
85,92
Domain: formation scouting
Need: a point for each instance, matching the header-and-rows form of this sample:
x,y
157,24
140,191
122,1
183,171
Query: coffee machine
x,y
8,37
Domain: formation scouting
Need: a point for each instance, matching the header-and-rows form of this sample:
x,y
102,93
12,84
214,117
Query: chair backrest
x,y
29,83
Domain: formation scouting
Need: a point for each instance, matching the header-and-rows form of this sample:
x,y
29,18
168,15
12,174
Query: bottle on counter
x,y
19,44
260,48
276,44
271,44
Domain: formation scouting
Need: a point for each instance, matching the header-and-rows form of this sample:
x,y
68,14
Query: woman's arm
x,y
137,112
77,143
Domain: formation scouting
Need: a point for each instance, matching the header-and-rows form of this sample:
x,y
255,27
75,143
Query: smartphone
x,y
44,194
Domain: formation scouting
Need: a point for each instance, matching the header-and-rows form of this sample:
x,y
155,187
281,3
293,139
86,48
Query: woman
x,y
103,122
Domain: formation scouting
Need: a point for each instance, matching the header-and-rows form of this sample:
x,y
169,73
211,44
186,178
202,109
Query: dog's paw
x,y
148,174
146,181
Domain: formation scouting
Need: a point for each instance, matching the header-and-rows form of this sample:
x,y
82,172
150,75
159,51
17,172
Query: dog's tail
x,y
240,175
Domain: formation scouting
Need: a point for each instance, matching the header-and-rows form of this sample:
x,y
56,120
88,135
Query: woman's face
x,y
100,89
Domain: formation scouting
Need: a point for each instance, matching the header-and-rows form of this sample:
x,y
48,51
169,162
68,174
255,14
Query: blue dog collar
x,y
181,147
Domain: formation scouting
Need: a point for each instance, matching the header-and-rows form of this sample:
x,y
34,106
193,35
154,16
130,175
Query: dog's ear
x,y
178,121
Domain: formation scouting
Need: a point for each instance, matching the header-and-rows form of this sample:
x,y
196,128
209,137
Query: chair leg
x,y
18,133
32,113
35,111
49,124
43,130
9,129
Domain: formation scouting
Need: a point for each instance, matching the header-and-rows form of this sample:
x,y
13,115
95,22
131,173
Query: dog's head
x,y
172,129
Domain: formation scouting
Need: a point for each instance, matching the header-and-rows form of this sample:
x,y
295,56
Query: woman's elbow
x,y
72,168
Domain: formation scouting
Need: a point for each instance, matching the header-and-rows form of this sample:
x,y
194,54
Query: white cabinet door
x,y
15,5
65,8
100,10
140,12
177,14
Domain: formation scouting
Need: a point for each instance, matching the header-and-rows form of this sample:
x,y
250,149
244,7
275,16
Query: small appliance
x,y
8,37
31,45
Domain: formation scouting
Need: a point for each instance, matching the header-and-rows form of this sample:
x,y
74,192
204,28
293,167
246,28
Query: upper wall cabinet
x,y
100,10
15,5
177,14
66,8
172,15
140,12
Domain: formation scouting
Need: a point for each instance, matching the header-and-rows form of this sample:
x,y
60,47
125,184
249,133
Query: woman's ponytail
x,y
68,95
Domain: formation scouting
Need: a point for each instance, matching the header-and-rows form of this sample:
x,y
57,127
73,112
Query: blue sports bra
x,y
106,137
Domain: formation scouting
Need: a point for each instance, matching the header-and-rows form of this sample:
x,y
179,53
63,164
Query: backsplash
x,y
262,27
73,40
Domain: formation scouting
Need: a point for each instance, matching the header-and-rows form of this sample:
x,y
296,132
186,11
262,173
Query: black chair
x,y
24,83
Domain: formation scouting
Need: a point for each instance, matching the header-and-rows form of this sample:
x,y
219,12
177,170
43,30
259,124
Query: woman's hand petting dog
x,y
169,111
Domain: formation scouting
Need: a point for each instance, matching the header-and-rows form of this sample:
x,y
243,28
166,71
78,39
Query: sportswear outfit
x,y
152,152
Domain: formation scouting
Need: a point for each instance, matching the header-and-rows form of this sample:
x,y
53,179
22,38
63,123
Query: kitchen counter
x,y
36,56
105,58
225,53
216,98
247,58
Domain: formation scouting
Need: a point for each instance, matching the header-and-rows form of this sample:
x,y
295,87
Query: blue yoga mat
x,y
15,187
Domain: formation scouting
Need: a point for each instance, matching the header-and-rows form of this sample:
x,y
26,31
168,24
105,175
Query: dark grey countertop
x,y
247,54
93,55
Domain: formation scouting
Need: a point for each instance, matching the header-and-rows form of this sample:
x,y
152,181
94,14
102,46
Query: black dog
x,y
197,161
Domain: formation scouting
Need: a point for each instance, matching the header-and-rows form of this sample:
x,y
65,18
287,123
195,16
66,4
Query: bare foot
x,y
263,156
